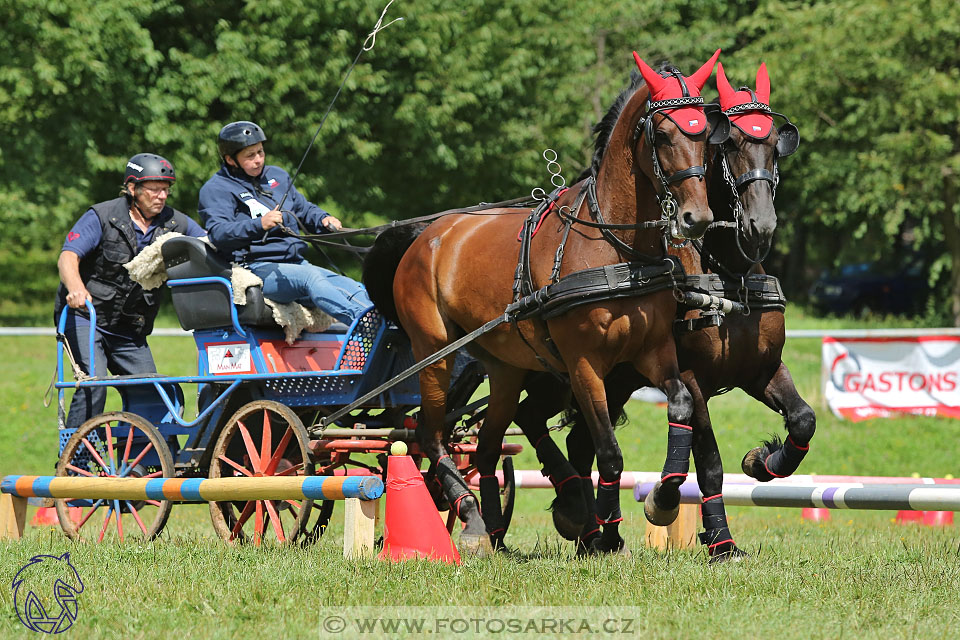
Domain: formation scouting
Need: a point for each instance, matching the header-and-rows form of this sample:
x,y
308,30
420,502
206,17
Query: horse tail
x,y
381,262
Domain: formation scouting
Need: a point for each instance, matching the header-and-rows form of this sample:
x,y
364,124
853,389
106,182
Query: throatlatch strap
x,y
679,443
608,502
714,522
785,460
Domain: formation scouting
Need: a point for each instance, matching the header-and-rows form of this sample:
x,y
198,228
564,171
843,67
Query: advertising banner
x,y
882,377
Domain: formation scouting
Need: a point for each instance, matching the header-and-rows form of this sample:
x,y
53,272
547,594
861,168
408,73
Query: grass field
x,y
859,575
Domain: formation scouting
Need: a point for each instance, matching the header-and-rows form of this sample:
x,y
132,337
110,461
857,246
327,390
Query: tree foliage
x,y
455,104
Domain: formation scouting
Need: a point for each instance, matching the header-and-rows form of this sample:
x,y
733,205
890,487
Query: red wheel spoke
x,y
153,503
235,465
155,474
266,438
94,507
275,520
96,456
119,522
113,460
278,454
136,516
106,522
140,456
293,503
291,471
258,525
251,449
82,472
244,516
126,448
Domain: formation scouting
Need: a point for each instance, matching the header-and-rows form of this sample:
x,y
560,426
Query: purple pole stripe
x,y
41,486
827,498
9,485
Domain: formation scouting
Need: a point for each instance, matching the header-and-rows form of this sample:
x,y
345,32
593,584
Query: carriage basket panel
x,y
314,390
358,347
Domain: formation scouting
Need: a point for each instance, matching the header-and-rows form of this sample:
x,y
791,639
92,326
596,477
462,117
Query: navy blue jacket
x,y
230,208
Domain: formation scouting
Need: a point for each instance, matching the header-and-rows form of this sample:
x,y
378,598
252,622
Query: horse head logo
x,y
36,580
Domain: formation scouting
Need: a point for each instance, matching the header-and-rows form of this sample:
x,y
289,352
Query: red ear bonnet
x,y
690,119
753,123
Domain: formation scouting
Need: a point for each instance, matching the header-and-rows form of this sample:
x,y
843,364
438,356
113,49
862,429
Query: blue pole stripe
x,y
9,485
41,486
154,489
190,489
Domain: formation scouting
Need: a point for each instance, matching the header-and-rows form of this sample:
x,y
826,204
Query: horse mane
x,y
604,129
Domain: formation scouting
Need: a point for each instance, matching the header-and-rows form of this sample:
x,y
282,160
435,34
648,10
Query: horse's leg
x,y
505,386
434,382
706,455
591,396
776,459
581,452
663,503
547,396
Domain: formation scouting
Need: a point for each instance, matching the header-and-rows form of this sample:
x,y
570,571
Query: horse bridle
x,y
788,139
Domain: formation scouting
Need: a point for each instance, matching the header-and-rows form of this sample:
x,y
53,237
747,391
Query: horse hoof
x,y
731,554
752,465
655,515
471,544
618,548
566,523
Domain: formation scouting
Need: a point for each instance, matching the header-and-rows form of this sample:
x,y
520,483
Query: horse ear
x,y
651,77
703,73
723,86
763,84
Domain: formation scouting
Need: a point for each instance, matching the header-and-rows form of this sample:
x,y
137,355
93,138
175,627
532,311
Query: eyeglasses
x,y
155,191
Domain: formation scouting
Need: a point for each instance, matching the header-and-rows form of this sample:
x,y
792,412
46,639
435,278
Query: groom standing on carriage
x,y
91,269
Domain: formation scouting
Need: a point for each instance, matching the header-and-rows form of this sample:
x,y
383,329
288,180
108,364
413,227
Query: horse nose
x,y
695,223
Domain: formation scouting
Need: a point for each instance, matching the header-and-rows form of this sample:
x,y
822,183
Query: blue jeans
x,y
312,286
120,355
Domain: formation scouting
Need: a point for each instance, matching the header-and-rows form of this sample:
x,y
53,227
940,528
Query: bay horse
x,y
743,351
457,274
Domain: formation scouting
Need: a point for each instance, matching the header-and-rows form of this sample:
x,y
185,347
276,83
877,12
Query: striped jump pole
x,y
195,489
917,497
532,479
361,494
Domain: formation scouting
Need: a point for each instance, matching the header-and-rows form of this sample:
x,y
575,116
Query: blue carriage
x,y
264,407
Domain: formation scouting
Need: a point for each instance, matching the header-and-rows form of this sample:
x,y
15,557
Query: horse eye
x,y
662,139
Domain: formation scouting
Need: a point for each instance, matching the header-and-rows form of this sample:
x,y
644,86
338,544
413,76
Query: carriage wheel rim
x,y
118,456
261,448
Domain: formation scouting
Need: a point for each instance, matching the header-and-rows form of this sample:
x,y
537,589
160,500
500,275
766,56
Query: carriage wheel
x,y
263,438
115,445
317,522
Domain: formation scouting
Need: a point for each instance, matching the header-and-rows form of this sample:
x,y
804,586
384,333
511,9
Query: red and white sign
x,y
229,358
881,377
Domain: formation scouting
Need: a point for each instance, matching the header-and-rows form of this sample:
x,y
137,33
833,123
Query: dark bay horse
x,y
744,351
458,274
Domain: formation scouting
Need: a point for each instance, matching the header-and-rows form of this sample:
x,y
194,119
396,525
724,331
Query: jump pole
x,y
360,492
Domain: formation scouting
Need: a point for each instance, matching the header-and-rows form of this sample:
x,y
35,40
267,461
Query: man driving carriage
x,y
91,269
240,208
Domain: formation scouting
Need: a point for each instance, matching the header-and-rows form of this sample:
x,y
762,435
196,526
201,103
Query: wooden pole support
x,y
359,525
13,516
682,534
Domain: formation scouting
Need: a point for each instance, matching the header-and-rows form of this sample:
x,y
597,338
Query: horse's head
x,y
748,149
670,145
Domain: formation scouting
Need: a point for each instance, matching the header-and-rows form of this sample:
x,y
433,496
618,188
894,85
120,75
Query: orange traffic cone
x,y
47,516
412,526
815,514
906,517
937,518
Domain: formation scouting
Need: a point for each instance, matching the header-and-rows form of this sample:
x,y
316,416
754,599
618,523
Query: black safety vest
x,y
122,305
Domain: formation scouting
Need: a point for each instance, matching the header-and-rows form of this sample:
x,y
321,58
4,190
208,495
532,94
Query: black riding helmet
x,y
148,166
237,135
